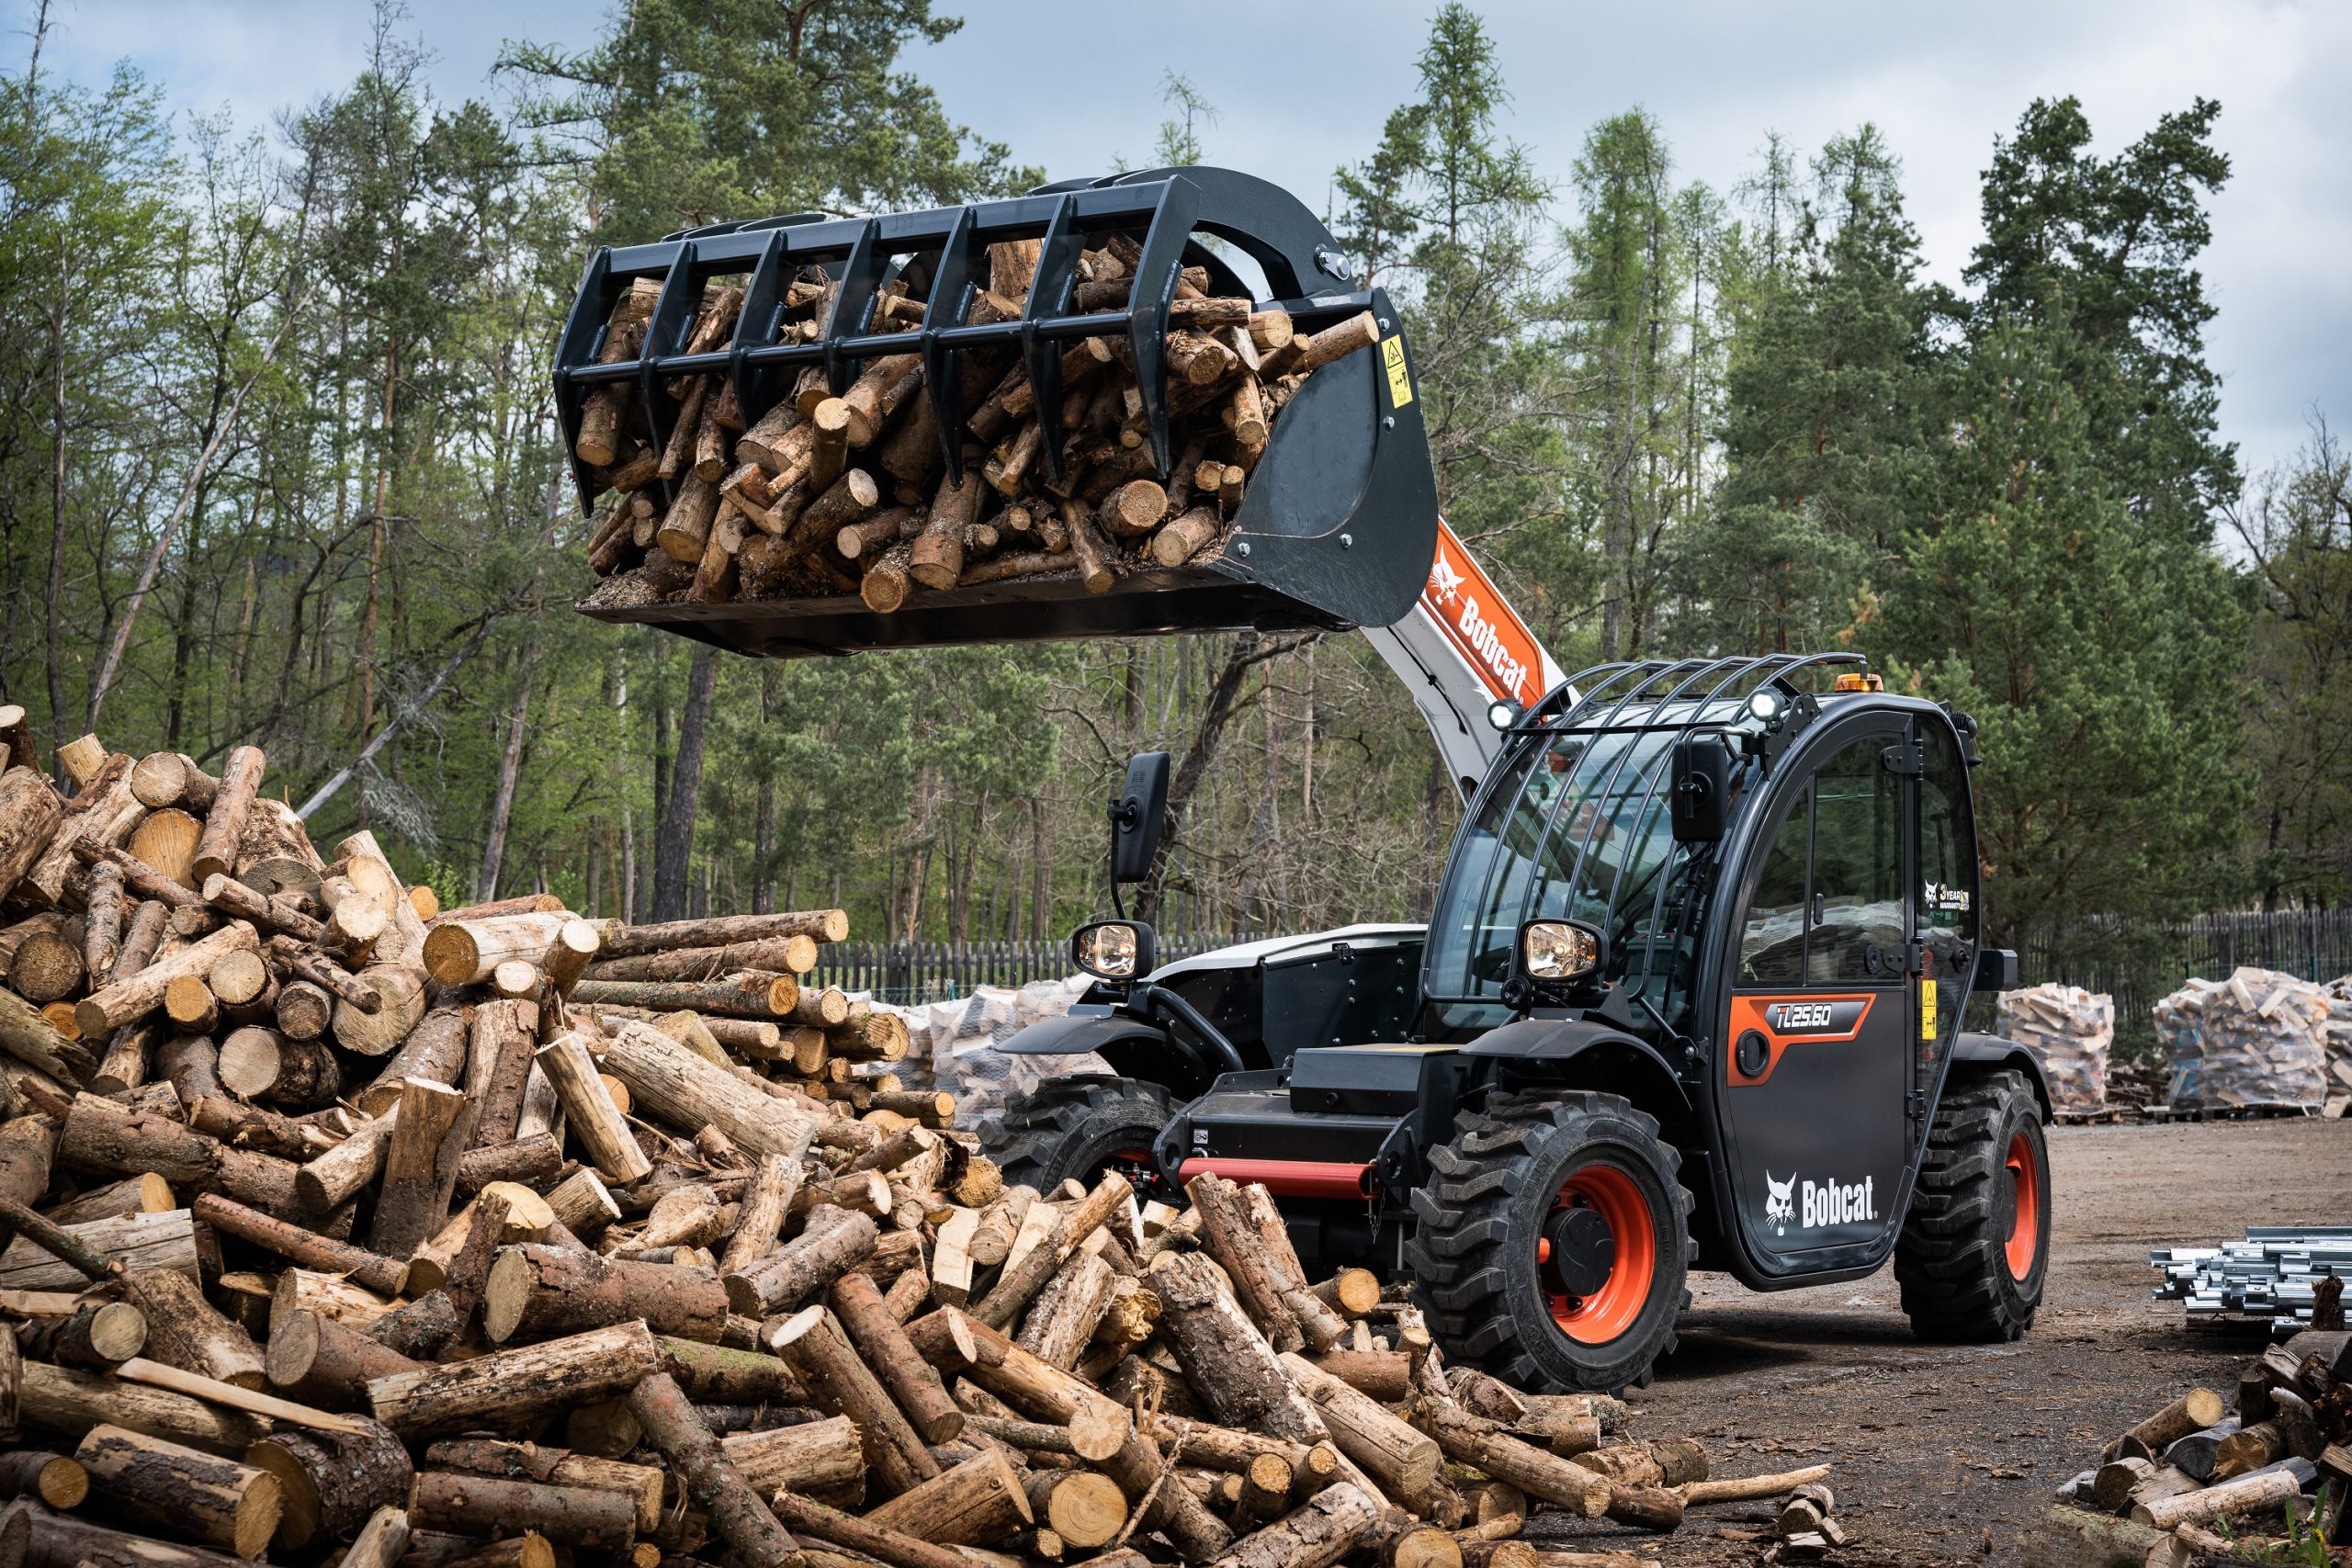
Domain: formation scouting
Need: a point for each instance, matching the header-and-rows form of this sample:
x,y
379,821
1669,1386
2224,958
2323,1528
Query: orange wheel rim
x,y
2025,1221
1604,1314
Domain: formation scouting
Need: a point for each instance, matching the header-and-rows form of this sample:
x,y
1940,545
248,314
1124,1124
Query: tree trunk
x,y
510,768
673,846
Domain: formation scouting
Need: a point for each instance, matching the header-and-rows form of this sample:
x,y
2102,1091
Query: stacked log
x,y
2210,1461
824,495
337,1223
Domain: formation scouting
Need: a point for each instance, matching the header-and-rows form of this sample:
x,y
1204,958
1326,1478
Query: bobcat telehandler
x,y
1690,996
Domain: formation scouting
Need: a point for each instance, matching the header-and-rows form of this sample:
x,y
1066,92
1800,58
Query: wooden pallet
x,y
2228,1113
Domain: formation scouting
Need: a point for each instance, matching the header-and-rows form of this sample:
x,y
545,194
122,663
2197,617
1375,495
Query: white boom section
x,y
1458,649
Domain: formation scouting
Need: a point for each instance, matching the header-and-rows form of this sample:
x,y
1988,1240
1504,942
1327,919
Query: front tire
x,y
1076,1128
1975,1246
1554,1241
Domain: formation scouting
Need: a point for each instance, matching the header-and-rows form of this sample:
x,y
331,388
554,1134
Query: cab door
x,y
1815,1072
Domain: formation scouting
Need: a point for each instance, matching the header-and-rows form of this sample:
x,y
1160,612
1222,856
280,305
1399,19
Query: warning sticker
x,y
1928,1007
1400,381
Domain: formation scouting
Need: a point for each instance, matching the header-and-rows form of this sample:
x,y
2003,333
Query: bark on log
x,y
820,1458
880,1339
1403,1460
710,1480
181,1491
224,823
1315,1536
321,1361
331,1483
978,1501
2193,1411
60,1399
1475,1441
463,953
545,1290
414,1201
132,997
304,1247
185,1330
684,1089
589,1111
480,1505
640,1484
30,812
830,1243
506,1388
1223,1356
328,1181
399,992
774,1184
58,1482
2244,1494
841,1385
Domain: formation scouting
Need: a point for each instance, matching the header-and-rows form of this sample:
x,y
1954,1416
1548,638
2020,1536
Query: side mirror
x,y
1137,816
1998,970
1555,959
1700,803
1118,951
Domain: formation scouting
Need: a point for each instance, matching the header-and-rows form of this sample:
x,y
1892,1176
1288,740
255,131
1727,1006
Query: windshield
x,y
1575,826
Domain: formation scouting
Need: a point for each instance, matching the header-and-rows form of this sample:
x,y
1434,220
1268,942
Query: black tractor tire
x,y
1492,1198
1075,1126
1975,1245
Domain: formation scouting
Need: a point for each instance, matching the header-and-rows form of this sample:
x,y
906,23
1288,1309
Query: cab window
x,y
1828,909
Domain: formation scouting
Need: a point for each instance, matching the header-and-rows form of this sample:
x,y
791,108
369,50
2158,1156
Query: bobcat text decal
x,y
1814,1205
1477,622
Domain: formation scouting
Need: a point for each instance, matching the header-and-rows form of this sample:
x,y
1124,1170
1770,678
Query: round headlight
x,y
1503,715
1765,703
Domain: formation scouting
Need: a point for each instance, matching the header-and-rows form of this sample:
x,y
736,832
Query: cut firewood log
x,y
479,1505
680,1087
537,1292
426,1135
185,1330
162,1240
883,1343
978,1501
1403,1460
150,1480
841,1385
313,1357
640,1484
331,1483
2193,1411
1313,1536
1478,1443
508,1387
830,1243
1224,1357
298,1243
710,1478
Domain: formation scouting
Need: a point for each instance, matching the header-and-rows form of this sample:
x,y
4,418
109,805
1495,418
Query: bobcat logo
x,y
1444,580
1780,1206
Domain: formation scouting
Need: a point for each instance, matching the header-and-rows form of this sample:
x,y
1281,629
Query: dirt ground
x,y
1947,1454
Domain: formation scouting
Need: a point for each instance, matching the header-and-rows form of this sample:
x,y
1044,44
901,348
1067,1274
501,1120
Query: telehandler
x,y
1691,993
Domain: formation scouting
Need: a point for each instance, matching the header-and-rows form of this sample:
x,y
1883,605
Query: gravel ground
x,y
1947,1454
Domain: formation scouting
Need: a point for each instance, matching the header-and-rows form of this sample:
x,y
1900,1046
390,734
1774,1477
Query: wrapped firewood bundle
x,y
2070,1031
2255,1040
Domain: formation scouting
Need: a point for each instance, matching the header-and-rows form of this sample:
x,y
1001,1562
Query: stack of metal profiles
x,y
2269,1275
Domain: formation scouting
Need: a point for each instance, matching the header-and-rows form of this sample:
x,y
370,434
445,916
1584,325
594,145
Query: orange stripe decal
x,y
1478,622
1786,1021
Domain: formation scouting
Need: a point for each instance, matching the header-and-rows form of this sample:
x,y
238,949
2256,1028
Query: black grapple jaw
x,y
1339,520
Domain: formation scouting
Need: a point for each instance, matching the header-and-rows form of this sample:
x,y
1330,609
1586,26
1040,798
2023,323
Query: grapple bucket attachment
x,y
1339,518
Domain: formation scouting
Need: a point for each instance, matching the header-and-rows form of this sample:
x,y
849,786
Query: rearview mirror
x,y
1700,803
1136,816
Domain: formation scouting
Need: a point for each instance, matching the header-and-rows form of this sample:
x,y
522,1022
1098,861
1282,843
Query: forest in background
x,y
278,466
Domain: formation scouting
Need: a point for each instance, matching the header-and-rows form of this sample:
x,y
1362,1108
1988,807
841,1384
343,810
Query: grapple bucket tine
x,y
756,324
583,335
944,309
861,279
1049,295
1155,289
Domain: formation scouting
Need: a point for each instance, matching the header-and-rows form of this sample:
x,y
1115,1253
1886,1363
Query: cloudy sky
x,y
1302,88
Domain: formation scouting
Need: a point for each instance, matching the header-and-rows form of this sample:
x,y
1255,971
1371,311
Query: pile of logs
x,y
343,1229
824,495
2167,1488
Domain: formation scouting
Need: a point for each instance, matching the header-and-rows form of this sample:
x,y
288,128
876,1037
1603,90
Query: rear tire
x,y
1975,1247
1586,1171
1077,1127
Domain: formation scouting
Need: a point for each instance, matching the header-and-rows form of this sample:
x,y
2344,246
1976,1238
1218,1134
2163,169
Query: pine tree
x,y
1827,404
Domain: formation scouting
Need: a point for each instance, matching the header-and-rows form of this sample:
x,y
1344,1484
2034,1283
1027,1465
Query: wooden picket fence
x,y
912,973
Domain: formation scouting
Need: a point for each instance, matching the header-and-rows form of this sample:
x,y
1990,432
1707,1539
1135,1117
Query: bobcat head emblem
x,y
1780,1206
